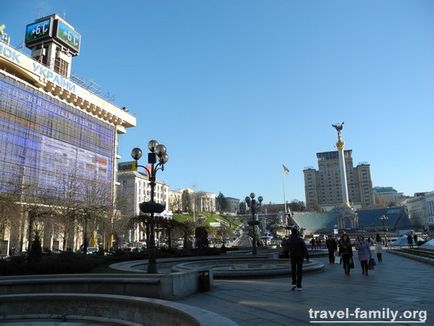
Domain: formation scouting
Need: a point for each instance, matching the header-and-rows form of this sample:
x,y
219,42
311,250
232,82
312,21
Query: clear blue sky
x,y
235,88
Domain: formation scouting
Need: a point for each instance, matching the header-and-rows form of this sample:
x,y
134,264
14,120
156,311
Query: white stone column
x,y
343,173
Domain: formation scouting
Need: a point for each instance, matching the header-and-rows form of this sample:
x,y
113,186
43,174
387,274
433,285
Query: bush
x,y
35,253
201,237
65,263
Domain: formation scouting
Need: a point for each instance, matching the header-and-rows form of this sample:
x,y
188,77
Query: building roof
x,y
397,218
384,189
315,221
18,65
332,155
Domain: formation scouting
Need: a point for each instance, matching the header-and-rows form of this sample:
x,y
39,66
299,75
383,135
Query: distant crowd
x,y
340,251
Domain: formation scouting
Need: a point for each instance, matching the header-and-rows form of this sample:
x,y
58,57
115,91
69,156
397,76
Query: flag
x,y
285,169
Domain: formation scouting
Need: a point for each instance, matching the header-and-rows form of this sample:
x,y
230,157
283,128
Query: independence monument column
x,y
342,170
345,209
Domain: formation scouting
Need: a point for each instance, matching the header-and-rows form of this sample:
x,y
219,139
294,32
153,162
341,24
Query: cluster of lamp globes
x,y
155,148
156,151
253,204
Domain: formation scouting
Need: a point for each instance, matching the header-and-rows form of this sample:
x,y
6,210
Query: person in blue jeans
x,y
297,253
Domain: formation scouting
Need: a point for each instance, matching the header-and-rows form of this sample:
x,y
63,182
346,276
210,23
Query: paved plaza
x,y
398,284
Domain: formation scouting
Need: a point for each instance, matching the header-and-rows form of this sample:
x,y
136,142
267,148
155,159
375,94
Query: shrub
x,y
201,237
35,253
64,263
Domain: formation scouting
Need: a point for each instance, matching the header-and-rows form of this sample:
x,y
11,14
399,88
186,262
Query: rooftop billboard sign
x,y
53,28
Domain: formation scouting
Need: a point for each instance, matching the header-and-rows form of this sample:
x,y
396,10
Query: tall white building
x,y
135,188
323,186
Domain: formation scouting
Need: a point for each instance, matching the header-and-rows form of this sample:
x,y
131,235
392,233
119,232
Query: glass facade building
x,y
44,141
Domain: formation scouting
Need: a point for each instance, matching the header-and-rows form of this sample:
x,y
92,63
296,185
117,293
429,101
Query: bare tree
x,y
95,209
186,201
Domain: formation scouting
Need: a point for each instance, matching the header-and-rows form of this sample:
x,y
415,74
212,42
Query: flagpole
x,y
284,194
287,212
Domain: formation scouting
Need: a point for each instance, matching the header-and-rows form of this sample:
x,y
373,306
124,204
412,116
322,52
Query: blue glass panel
x,y
44,142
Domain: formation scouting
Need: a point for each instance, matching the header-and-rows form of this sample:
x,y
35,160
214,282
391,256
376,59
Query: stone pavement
x,y
397,284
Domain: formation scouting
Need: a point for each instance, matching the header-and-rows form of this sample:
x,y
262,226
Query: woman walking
x,y
346,252
363,252
379,248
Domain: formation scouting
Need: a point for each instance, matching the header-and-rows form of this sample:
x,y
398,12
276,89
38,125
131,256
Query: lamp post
x,y
157,157
384,218
253,204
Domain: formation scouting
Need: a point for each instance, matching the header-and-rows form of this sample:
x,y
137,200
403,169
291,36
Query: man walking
x,y
297,252
332,246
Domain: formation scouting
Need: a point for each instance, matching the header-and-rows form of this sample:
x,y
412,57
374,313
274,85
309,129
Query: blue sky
x,y
235,88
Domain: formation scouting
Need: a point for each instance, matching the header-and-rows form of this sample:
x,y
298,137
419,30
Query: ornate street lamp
x,y
253,205
384,218
157,157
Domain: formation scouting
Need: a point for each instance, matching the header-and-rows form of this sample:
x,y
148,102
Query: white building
x,y
200,201
387,194
421,208
175,200
205,201
135,188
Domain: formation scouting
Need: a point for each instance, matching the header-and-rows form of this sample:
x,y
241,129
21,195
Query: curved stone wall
x,y
104,309
162,286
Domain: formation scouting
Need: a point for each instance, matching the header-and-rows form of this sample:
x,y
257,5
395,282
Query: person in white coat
x,y
379,248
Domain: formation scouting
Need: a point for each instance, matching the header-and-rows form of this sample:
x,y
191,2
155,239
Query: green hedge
x,y
64,263
71,263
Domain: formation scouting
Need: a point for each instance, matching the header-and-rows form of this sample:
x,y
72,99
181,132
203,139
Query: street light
x,y
384,218
157,157
253,204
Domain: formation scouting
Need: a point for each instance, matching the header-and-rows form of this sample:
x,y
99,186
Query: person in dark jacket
x,y
346,252
297,252
332,246
410,240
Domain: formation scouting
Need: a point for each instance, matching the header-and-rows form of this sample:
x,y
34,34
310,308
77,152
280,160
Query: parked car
x,y
91,250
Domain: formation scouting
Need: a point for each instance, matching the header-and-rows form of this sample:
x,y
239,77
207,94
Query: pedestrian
x,y
318,243
346,252
297,252
331,247
415,239
313,244
379,248
363,252
410,240
284,245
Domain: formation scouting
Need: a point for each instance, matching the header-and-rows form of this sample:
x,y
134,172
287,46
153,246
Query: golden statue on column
x,y
345,209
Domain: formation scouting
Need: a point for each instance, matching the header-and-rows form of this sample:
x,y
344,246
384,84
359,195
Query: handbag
x,y
351,264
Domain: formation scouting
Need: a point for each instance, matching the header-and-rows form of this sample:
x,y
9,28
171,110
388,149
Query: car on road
x,y
91,250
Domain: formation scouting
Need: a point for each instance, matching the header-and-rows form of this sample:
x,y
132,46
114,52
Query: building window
x,y
61,67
